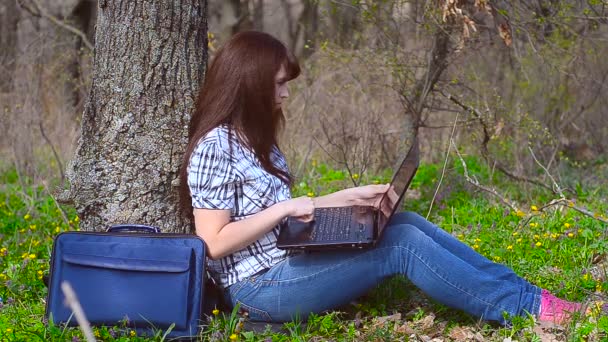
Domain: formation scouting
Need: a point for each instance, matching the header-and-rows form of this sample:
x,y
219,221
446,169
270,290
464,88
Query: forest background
x,y
507,98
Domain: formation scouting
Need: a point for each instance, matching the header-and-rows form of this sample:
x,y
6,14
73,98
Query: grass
x,y
561,250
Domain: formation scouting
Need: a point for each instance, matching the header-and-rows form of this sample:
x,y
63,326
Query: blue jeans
x,y
441,266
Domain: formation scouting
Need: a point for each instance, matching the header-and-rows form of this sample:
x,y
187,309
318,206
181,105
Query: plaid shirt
x,y
225,174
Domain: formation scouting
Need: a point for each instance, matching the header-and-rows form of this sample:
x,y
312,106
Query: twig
x,y
445,163
55,154
476,183
557,189
570,204
38,11
72,302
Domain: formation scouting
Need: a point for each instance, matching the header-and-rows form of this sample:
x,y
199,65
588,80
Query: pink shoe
x,y
556,310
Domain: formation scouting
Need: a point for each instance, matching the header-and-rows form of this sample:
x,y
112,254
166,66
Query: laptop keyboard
x,y
332,224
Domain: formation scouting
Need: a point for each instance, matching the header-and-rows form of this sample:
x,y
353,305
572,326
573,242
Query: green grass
x,y
554,249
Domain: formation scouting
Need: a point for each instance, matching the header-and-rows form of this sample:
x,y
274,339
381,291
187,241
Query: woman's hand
x,y
301,208
367,195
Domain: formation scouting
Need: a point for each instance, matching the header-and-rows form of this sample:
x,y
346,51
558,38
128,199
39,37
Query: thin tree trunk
x,y
150,58
9,18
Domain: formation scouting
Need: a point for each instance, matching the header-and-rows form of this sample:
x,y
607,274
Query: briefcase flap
x,y
149,281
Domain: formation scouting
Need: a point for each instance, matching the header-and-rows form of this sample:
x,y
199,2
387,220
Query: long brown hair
x,y
239,90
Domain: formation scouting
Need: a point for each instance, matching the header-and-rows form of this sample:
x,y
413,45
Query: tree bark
x,y
150,57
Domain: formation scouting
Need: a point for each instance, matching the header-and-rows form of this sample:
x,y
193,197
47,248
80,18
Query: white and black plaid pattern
x,y
224,174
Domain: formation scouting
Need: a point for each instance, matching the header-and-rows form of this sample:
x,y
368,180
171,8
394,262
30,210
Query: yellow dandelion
x,y
96,333
570,204
533,224
566,225
132,333
32,227
497,258
534,208
586,276
570,234
598,287
26,217
520,213
3,251
510,247
215,312
355,176
9,330
233,337
475,246
515,233
518,240
536,237
3,276
554,236
477,240
24,255
39,272
538,244
310,194
76,219
32,256
460,236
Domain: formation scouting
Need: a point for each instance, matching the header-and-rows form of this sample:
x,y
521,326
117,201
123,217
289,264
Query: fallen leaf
x,y
404,329
461,334
427,322
381,321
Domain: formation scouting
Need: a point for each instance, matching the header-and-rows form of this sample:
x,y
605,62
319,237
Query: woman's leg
x,y
457,248
316,282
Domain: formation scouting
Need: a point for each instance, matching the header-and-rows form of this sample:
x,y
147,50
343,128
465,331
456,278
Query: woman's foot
x,y
556,310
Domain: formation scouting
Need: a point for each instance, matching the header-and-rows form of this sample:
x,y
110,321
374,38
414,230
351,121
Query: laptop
x,y
352,226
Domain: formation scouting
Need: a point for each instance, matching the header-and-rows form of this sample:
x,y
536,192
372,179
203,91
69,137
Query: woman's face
x,y
280,88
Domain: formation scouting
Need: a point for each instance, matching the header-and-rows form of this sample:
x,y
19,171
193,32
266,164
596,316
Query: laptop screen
x,y
393,198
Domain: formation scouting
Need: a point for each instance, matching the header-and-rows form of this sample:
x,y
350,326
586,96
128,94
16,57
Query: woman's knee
x,y
406,217
400,234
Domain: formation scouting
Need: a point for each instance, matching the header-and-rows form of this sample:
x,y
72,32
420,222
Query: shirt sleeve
x,y
211,178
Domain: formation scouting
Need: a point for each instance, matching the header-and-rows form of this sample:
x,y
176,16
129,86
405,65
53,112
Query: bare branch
x,y
39,11
484,144
556,188
567,203
475,182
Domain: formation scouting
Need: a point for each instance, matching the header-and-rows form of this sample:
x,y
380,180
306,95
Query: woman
x,y
235,182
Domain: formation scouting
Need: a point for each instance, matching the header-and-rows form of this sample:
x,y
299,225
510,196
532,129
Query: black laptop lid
x,y
402,178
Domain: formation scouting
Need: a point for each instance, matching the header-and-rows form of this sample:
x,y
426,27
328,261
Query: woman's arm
x,y
366,195
224,237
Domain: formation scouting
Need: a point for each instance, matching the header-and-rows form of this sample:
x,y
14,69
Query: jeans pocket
x,y
255,314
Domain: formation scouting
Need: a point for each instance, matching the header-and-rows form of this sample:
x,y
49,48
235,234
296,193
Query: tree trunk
x,y
150,57
9,18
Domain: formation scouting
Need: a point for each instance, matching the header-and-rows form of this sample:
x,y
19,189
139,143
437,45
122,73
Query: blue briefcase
x,y
150,282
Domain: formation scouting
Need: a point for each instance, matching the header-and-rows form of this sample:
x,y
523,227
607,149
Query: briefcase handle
x,y
133,228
